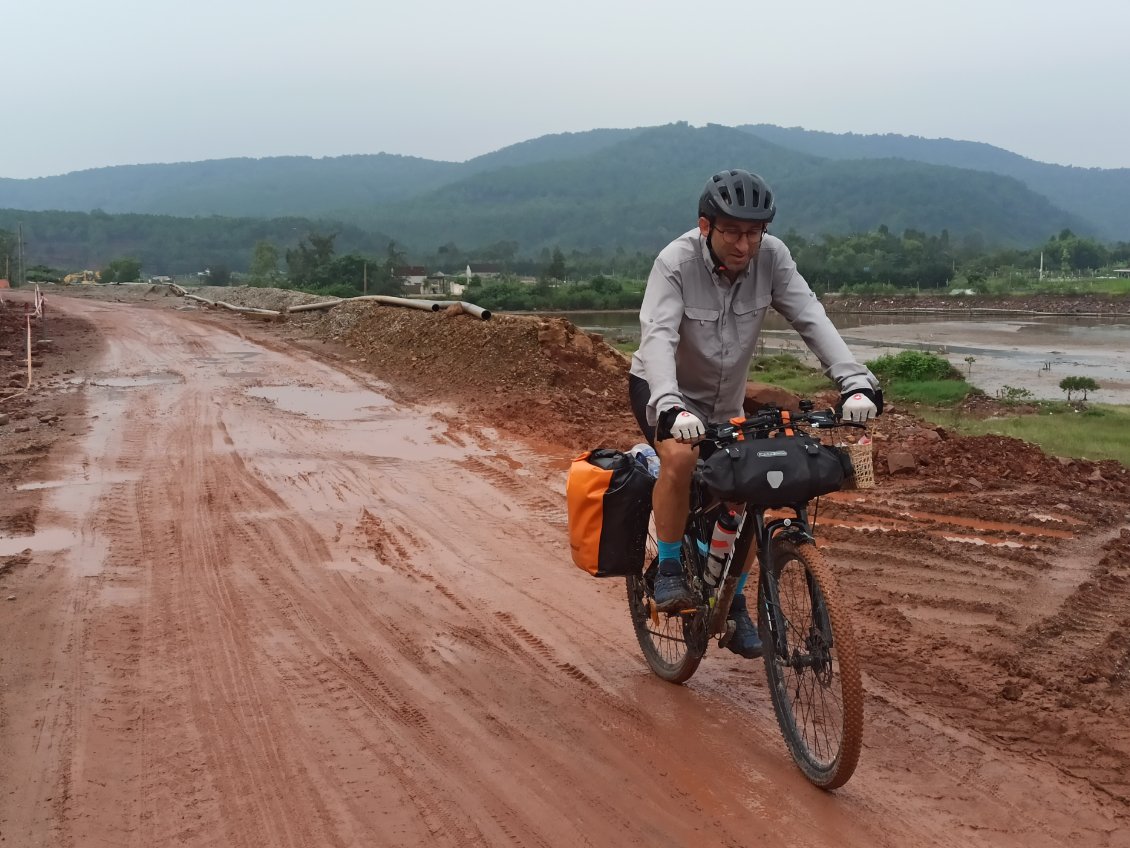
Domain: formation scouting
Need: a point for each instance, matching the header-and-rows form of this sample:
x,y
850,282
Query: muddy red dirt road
x,y
265,605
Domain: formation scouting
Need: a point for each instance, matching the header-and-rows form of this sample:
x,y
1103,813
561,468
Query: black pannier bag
x,y
775,472
609,501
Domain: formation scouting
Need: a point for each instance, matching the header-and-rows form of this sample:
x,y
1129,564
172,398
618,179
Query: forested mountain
x,y
548,148
167,245
1101,196
638,192
608,189
263,188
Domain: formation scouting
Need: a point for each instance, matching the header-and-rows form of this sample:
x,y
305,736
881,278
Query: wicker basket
x,y
864,476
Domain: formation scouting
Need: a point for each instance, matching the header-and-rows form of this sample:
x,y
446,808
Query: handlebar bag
x,y
775,472
609,501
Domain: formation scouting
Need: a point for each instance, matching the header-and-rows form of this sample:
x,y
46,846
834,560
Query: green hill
x,y
263,188
609,188
1099,195
168,245
640,191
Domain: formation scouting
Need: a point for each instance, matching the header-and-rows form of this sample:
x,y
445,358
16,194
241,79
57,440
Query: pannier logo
x,y
775,478
763,454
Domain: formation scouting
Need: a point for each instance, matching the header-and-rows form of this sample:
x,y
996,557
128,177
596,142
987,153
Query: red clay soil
x,y
306,583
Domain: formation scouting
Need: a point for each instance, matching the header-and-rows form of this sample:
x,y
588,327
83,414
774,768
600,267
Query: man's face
x,y
735,242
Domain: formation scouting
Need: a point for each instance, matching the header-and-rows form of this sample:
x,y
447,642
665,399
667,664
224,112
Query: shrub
x,y
1012,394
913,365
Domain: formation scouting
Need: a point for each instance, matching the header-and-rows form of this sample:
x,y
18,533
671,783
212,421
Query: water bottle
x,y
721,543
647,458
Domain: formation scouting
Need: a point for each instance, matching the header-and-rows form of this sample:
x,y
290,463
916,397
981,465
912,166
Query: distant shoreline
x,y
1084,305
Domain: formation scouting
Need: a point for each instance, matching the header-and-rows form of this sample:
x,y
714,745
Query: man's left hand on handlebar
x,y
860,405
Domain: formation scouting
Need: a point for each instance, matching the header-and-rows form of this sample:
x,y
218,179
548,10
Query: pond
x,y
1032,353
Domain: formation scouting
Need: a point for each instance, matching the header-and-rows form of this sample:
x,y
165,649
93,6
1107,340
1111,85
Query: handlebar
x,y
772,419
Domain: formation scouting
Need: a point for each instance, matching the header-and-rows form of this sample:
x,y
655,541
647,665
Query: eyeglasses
x,y
734,236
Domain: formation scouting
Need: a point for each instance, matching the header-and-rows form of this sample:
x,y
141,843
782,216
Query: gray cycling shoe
x,y
745,641
671,591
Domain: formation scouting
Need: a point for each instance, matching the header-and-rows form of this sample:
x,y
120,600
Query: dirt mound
x,y
543,377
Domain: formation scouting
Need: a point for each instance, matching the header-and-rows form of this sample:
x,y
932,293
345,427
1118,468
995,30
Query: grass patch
x,y
1098,431
788,372
936,393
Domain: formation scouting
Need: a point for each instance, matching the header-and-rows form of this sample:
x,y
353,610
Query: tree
x,y
264,263
556,268
123,270
219,275
1078,384
8,254
308,264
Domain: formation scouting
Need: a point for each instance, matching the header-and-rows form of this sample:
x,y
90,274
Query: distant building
x,y
413,275
1122,272
483,270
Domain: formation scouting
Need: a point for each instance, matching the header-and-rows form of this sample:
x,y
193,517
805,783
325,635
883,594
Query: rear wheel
x,y
811,663
672,644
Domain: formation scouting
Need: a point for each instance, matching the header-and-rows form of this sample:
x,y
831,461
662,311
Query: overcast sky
x,y
119,82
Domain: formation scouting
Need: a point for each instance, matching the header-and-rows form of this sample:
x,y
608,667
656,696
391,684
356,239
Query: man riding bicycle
x,y
702,314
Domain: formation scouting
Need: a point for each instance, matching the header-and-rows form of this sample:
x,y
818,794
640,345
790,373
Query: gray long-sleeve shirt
x,y
698,331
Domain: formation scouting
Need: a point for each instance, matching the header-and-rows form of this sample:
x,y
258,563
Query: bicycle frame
x,y
809,647
755,529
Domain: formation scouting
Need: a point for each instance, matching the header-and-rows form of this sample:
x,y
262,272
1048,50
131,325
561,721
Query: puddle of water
x,y
162,378
86,555
75,481
48,539
973,540
992,526
323,405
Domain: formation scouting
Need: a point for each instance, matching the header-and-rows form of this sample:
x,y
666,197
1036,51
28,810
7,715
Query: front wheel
x,y
673,644
811,663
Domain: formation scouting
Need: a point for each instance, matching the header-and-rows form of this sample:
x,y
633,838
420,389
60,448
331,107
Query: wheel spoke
x,y
809,681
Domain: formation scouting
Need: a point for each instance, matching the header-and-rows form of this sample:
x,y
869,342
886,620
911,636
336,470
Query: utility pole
x,y
20,254
365,279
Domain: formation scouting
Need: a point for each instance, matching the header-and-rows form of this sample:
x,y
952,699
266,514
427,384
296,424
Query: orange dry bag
x,y
609,498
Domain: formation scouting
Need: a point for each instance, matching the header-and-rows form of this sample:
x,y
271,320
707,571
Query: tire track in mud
x,y
210,600
339,647
945,625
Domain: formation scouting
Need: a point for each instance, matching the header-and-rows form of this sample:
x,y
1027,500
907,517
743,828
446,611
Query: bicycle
x,y
806,632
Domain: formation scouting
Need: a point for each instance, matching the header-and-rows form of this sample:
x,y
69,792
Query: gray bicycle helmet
x,y
737,194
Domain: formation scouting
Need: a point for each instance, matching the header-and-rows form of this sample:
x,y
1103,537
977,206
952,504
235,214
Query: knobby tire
x,y
815,686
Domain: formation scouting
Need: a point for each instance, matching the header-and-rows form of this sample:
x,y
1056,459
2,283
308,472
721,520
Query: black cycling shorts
x,y
639,393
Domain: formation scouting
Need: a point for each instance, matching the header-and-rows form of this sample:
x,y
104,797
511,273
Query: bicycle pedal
x,y
731,629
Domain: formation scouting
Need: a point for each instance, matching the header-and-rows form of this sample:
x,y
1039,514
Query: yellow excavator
x,y
83,277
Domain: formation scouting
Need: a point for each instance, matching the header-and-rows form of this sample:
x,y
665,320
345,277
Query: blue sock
x,y
669,550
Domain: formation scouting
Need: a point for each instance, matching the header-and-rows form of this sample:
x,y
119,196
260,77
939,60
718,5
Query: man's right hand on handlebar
x,y
678,424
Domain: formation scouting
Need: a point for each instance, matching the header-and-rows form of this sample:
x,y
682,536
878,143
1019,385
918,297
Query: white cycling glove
x,y
858,407
686,428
